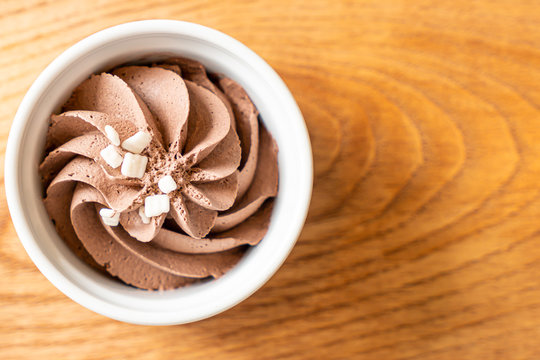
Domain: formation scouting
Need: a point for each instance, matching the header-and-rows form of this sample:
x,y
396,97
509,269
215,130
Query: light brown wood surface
x,y
423,237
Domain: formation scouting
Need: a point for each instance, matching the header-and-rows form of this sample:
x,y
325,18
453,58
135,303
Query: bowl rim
x,y
31,99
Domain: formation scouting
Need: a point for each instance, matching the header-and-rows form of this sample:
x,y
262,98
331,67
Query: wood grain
x,y
423,238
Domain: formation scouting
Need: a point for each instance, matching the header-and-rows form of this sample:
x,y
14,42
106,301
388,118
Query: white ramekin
x,y
220,53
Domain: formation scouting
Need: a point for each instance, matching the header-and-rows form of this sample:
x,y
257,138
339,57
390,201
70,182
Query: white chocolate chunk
x,y
112,135
167,184
111,156
137,142
105,212
156,205
134,165
111,221
145,219
109,216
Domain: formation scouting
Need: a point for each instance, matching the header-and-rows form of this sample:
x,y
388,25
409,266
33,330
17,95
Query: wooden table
x,y
423,238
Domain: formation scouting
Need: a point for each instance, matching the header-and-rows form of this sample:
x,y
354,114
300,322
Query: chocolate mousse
x,y
159,175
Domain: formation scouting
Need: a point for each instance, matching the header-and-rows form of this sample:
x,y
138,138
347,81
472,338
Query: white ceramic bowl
x,y
219,53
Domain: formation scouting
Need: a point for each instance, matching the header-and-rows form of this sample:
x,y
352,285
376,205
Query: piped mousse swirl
x,y
159,175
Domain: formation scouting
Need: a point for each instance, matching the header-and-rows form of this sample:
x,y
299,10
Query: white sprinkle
x,y
137,142
112,135
156,205
167,184
145,219
111,156
109,216
134,165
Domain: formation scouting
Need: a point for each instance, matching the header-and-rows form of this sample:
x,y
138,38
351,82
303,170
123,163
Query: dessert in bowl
x,y
148,47
158,175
